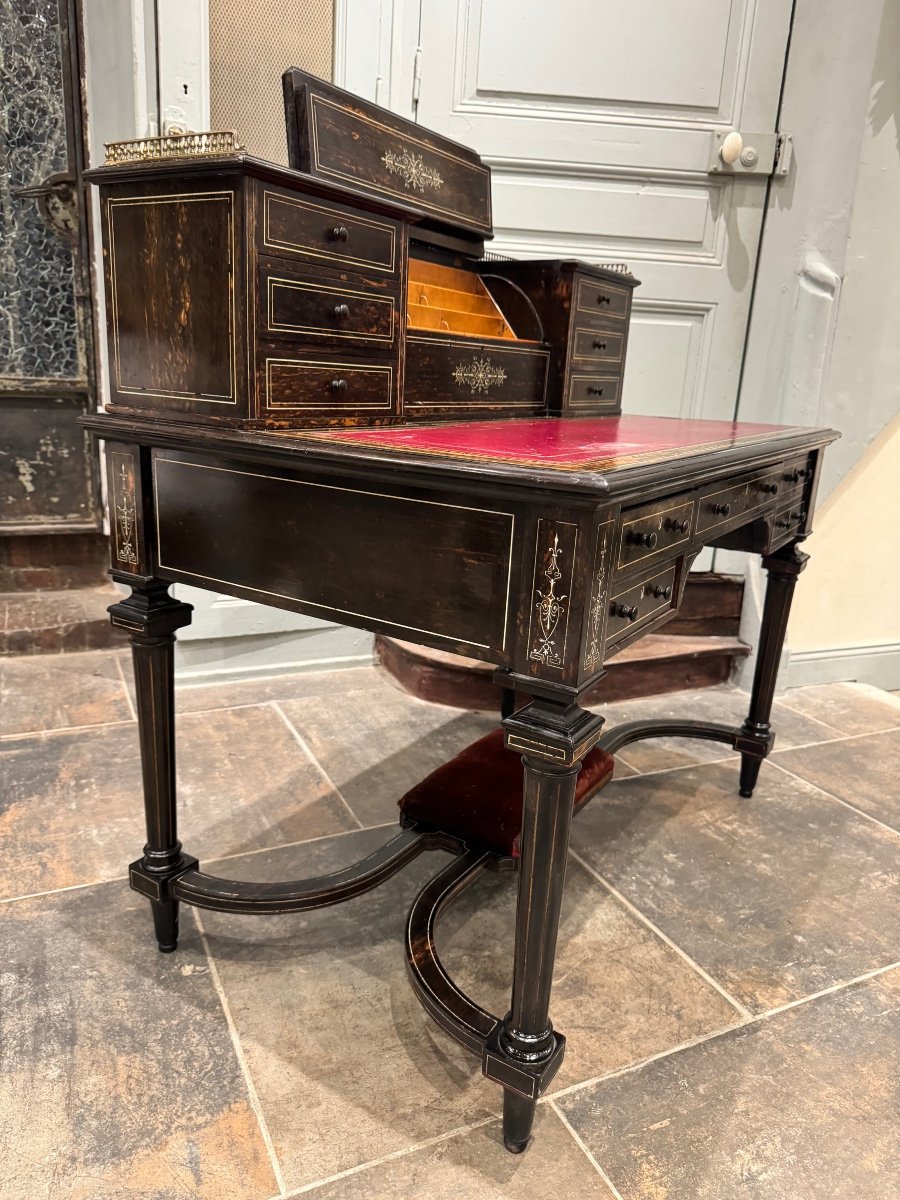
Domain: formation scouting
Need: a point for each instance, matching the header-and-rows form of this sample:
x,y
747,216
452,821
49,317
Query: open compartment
x,y
449,300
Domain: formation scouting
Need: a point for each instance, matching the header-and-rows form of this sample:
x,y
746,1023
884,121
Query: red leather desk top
x,y
571,444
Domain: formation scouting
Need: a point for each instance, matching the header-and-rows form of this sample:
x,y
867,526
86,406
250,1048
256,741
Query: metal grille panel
x,y
250,43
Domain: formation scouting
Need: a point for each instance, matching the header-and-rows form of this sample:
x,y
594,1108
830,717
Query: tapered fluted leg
x,y
151,616
757,737
526,1052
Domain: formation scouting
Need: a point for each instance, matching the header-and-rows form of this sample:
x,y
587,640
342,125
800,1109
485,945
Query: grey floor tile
x,y
846,707
375,744
800,1106
119,1076
347,1064
57,691
723,705
475,1165
321,684
71,808
620,994
776,897
864,771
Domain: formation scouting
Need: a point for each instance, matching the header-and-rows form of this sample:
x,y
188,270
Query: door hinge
x,y
417,76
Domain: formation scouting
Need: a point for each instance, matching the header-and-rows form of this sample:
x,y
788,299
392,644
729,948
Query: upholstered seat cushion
x,y
477,796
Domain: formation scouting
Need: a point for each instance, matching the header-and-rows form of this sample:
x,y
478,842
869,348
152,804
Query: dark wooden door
x,y
48,474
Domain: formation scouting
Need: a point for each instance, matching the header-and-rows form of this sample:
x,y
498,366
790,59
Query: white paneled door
x,y
597,118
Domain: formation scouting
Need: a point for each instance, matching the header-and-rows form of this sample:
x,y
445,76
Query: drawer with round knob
x,y
325,308
600,301
292,226
641,603
597,346
592,393
653,530
302,382
720,508
789,521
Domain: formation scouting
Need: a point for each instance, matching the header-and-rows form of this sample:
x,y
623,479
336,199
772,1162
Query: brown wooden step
x,y
657,663
711,604
53,560
55,622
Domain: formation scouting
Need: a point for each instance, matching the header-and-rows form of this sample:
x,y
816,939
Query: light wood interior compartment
x,y
452,301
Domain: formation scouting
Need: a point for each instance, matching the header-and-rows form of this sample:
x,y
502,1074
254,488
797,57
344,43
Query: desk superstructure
x,y
327,399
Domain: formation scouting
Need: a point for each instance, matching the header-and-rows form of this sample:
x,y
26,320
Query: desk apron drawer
x,y
327,234
641,604
448,376
653,531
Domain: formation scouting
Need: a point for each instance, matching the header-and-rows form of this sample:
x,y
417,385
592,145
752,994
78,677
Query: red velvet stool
x,y
477,796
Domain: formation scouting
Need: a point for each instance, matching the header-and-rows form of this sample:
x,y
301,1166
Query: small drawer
x,y
795,473
333,310
597,345
653,530
327,233
723,507
595,298
312,384
595,392
789,521
444,376
641,604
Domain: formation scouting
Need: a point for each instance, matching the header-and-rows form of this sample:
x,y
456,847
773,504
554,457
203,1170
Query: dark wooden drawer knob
x,y
657,590
722,510
796,475
644,539
768,489
676,526
340,233
598,345
595,391
628,611
604,299
341,312
338,385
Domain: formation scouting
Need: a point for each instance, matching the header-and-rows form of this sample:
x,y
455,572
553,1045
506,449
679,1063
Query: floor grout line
x,y
320,837
72,887
301,742
7,738
121,671
255,1102
708,762
840,986
395,1154
614,1191
645,920
831,796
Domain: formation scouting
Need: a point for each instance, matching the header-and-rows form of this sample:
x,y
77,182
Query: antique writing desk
x,y
469,485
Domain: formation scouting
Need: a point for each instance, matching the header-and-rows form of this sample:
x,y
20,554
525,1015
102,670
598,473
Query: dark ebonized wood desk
x,y
543,546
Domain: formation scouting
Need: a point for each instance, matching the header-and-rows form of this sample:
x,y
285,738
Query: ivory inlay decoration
x,y
480,375
412,170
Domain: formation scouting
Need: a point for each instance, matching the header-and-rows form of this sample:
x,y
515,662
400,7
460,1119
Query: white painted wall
x,y
823,346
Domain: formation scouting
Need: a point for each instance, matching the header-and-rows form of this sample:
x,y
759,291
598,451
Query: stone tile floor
x,y
728,974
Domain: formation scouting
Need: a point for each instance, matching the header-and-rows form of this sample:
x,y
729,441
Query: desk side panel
x,y
418,565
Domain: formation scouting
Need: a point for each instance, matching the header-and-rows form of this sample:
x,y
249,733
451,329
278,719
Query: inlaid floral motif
x,y
480,375
124,511
594,654
550,608
412,170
